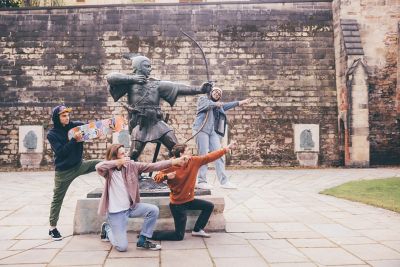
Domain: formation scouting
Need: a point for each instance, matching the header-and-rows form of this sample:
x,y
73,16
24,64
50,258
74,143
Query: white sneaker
x,y
229,185
200,233
204,186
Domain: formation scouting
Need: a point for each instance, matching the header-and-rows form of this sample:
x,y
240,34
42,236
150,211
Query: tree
x,y
10,3
30,3
36,3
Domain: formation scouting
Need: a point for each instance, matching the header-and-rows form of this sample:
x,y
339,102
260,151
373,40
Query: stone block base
x,y
31,160
307,159
87,220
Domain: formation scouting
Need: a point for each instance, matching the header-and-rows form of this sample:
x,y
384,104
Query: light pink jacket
x,y
130,174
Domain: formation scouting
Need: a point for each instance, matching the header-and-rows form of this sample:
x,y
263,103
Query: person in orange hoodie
x,y
181,181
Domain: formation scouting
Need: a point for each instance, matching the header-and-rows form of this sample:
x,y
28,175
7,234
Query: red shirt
x,y
182,186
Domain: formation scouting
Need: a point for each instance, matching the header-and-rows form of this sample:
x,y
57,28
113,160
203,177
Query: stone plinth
x,y
30,160
307,159
96,193
86,219
306,144
30,145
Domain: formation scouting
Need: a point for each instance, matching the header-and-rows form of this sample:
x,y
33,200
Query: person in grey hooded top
x,y
208,130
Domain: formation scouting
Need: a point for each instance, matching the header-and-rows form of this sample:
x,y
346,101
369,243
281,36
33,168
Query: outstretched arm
x,y
233,104
193,90
245,101
210,157
204,104
164,175
169,91
116,78
119,84
157,166
229,105
103,167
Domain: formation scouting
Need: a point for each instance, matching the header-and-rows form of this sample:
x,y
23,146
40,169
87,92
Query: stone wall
x,y
378,26
280,54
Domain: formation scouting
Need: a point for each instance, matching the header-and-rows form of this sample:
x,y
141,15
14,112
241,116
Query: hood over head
x,y
56,115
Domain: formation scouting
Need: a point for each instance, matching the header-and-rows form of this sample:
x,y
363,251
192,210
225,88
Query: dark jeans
x,y
180,217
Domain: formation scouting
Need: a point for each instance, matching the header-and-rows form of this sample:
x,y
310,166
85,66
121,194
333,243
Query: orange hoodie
x,y
182,186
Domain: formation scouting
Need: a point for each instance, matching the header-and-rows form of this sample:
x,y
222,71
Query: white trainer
x,y
201,233
204,186
229,185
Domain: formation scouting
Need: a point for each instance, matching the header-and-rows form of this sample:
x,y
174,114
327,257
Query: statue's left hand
x,y
206,87
140,79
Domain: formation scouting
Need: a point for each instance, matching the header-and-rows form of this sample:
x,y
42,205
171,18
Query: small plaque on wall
x,y
306,137
30,139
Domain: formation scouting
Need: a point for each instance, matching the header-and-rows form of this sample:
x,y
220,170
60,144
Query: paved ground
x,y
276,218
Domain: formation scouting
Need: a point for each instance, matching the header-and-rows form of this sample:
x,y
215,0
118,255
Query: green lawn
x,y
384,193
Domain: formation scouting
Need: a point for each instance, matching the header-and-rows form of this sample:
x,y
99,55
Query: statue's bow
x,y
202,53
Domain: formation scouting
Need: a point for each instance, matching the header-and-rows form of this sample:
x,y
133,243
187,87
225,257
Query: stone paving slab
x,y
5,244
312,243
331,256
27,244
385,263
225,239
184,258
372,252
294,234
276,218
232,251
137,262
352,240
190,243
392,244
252,236
301,264
7,253
279,251
229,262
31,256
86,242
69,258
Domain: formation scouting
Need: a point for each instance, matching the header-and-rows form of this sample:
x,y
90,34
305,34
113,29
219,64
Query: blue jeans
x,y
207,143
118,224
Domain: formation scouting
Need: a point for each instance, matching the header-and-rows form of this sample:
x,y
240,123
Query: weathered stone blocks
x,y
87,221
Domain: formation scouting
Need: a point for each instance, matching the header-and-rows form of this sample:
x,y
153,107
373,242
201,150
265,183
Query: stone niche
x,y
306,144
30,145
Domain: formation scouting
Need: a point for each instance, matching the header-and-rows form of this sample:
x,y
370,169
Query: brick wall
x,y
378,24
280,54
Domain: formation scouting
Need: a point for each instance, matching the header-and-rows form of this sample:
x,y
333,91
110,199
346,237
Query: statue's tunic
x,y
145,116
